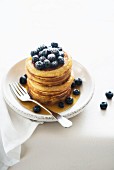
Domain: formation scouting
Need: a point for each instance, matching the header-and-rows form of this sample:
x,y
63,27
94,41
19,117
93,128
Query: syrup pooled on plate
x,y
54,107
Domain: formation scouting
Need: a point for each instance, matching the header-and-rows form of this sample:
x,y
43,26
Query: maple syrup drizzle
x,y
54,107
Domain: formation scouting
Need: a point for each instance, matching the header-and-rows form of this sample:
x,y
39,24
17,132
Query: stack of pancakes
x,y
52,85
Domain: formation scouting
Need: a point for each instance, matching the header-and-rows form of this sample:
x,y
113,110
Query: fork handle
x,y
62,120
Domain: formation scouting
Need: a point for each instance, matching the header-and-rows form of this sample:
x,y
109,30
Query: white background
x,y
85,29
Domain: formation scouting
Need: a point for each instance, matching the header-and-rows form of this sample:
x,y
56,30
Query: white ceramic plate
x,y
18,70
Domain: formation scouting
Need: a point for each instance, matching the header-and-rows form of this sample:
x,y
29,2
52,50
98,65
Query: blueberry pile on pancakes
x,y
49,74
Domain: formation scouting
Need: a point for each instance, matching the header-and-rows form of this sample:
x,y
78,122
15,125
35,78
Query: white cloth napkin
x,y
14,130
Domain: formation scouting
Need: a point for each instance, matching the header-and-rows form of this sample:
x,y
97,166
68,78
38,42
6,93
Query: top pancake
x,y
58,72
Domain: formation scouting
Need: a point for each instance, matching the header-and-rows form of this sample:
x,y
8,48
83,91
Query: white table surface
x,y
86,30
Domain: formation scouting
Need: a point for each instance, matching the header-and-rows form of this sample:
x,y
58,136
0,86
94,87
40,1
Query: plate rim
x,y
40,117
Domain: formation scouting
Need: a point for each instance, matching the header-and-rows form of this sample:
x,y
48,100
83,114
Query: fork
x,y
22,94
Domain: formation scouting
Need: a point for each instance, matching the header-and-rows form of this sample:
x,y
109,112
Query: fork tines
x,y
18,89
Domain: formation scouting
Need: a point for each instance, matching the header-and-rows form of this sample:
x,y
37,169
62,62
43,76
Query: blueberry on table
x,y
69,100
109,95
47,63
54,44
103,105
61,60
35,59
78,81
61,104
36,109
39,65
76,92
23,80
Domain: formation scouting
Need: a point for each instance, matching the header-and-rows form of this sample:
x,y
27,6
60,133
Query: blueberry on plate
x,y
61,60
61,104
51,57
35,59
39,65
69,100
36,109
25,75
109,95
47,63
76,92
78,81
54,44
23,80
33,53
73,84
54,64
103,105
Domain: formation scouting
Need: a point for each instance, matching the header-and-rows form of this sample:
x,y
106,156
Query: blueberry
x,y
61,104
51,57
45,52
73,84
42,58
54,44
54,64
39,65
103,105
61,60
23,80
69,100
109,95
78,81
35,59
60,48
25,75
47,63
42,47
61,53
40,53
38,50
55,51
36,109
48,51
33,53
76,92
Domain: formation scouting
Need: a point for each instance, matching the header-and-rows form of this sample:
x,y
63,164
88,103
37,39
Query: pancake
x,y
50,86
50,72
